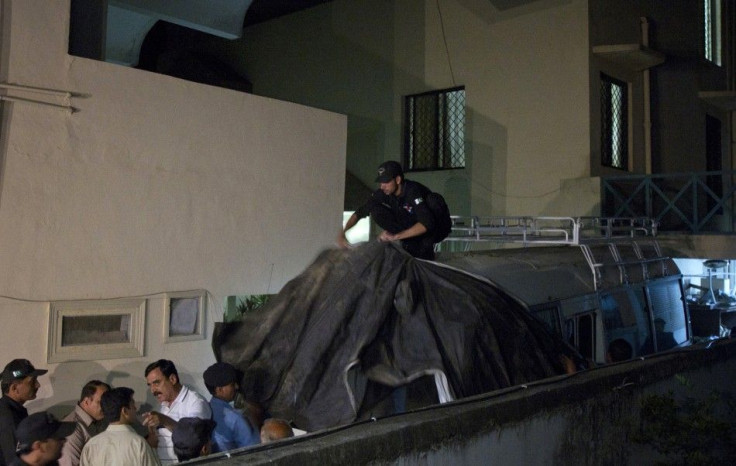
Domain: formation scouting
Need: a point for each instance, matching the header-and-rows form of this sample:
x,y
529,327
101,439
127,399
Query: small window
x,y
614,123
712,31
94,330
184,316
435,130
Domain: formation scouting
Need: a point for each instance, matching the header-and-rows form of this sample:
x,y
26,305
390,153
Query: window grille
x,y
614,123
712,30
435,130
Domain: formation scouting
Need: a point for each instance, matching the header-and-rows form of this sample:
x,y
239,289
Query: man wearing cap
x,y
398,207
19,384
119,444
177,401
232,430
40,439
89,419
192,437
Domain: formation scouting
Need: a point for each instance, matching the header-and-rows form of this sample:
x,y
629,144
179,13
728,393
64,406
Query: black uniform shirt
x,y
408,209
11,413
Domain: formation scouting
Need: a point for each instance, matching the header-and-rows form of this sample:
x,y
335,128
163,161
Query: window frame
x,y
439,154
198,333
712,31
607,124
134,308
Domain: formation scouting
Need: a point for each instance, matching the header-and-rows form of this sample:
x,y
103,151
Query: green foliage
x,y
247,304
686,429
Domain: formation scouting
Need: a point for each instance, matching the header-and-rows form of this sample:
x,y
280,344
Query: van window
x,y
580,333
668,322
624,316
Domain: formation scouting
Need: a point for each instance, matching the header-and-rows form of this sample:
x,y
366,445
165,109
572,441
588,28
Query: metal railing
x,y
686,202
549,230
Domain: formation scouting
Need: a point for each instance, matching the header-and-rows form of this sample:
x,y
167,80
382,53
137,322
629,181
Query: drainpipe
x,y
647,102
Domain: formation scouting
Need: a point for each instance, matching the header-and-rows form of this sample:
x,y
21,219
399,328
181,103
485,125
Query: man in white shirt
x,y
119,444
89,420
177,401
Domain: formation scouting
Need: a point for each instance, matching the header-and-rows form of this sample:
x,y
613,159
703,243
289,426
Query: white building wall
x,y
525,72
155,185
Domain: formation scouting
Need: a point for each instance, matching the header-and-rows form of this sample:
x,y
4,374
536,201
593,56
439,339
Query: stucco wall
x,y
155,185
525,72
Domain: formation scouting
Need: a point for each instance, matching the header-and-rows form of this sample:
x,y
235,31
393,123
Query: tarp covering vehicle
x,y
393,317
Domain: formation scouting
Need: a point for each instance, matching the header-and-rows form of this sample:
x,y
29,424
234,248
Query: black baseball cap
x,y
192,431
220,374
41,426
20,369
387,171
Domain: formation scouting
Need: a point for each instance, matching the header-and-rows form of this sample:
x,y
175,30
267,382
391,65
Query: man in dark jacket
x,y
398,207
19,384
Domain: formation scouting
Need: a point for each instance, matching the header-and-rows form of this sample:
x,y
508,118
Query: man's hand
x,y
386,237
154,420
342,241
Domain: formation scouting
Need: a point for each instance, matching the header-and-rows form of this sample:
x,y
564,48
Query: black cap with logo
x,y
20,369
387,171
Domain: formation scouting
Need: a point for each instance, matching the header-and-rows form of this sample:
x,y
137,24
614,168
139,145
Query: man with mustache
x,y
177,401
19,384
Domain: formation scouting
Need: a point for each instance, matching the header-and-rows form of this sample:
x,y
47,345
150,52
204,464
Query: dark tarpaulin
x,y
398,317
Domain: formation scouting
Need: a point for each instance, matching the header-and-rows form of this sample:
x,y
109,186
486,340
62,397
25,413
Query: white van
x,y
592,280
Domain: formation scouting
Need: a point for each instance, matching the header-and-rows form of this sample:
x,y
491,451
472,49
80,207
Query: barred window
x,y
712,30
435,130
614,123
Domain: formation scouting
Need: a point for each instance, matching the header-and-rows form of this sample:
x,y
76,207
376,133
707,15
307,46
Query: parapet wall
x,y
586,418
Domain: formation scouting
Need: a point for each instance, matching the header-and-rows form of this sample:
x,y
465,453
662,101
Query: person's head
x,y
119,406
659,324
390,176
221,379
40,438
275,429
90,398
619,350
19,380
163,380
191,437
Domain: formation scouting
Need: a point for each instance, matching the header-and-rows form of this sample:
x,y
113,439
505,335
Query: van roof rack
x,y
550,230
618,243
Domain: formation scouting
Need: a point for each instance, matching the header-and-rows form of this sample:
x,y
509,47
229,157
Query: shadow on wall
x,y
577,197
487,164
68,377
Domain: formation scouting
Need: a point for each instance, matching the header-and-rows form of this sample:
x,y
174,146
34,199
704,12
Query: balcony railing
x,y
685,202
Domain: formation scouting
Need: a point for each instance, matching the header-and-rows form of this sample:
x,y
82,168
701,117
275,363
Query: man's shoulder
x,y
416,187
193,404
192,395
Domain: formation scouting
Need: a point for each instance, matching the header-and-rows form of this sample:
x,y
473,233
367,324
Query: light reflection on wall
x,y
360,232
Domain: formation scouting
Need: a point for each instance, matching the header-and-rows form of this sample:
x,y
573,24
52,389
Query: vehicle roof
x,y
540,274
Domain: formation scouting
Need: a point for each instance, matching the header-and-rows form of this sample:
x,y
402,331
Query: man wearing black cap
x,y
40,439
398,207
232,429
192,437
19,384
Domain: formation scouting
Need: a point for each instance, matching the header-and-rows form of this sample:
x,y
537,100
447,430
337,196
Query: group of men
x,y
106,428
